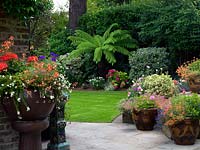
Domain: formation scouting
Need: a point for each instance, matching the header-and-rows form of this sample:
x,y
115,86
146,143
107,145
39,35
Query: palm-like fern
x,y
111,42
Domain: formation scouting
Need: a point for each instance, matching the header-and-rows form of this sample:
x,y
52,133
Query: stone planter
x,y
127,117
145,119
33,122
185,132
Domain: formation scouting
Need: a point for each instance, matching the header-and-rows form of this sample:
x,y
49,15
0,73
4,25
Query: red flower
x,y
3,66
8,56
32,59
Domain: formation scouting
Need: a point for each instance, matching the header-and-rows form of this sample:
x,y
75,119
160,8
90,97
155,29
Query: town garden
x,y
130,58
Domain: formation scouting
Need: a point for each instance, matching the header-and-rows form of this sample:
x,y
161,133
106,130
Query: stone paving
x,y
118,136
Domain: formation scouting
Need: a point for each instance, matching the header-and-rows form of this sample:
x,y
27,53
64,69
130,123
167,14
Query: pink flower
x,y
152,97
117,79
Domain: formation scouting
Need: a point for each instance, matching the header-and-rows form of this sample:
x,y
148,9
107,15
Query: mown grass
x,y
94,106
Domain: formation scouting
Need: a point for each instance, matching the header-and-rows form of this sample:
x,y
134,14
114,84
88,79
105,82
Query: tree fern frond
x,y
107,32
76,40
97,54
84,35
110,57
98,40
86,45
122,50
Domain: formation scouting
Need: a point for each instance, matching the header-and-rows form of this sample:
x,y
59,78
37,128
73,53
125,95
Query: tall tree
x,y
76,9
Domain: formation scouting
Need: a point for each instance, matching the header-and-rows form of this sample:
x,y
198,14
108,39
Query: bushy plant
x,y
159,84
144,102
97,82
147,61
182,107
118,79
126,105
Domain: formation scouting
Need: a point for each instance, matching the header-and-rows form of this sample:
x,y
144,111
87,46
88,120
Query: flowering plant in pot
x,y
190,71
26,81
144,112
126,108
183,118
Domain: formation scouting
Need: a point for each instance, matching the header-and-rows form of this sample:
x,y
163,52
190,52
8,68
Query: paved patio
x,y
118,136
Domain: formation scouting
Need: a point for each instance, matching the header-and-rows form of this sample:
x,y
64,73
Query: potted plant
x,y
126,107
29,89
144,112
190,72
183,118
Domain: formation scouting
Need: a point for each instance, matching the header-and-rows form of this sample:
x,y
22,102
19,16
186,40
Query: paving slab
x,y
119,136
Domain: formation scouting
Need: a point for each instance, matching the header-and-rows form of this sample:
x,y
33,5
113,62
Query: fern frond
x,y
107,32
76,40
110,57
97,54
122,50
98,40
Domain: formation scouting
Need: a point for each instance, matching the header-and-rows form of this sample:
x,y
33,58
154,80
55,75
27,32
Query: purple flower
x,y
41,57
53,54
53,58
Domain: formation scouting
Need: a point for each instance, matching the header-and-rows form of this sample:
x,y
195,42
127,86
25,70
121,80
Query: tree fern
x,y
111,42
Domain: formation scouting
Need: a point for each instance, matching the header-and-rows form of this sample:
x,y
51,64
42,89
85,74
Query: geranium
x,y
18,76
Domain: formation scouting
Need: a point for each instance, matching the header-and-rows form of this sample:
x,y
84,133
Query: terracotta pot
x,y
185,132
145,119
40,108
127,117
194,83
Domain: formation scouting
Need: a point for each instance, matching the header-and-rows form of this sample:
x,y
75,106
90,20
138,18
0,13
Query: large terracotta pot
x,y
40,108
185,132
145,119
194,83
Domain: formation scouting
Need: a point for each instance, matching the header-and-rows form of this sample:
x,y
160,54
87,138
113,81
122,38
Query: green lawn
x,y
94,106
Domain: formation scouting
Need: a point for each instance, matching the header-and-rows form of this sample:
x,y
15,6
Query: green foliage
x,y
117,79
126,105
58,41
79,69
194,66
143,102
147,61
154,23
97,82
159,84
108,44
25,9
183,107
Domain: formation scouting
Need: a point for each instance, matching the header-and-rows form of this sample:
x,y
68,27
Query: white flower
x,y
10,77
12,93
148,67
28,109
18,112
51,97
19,99
2,84
6,93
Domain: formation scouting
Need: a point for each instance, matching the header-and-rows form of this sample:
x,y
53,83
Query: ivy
x,y
25,9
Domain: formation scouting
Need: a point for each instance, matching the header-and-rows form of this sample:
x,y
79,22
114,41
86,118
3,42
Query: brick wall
x,y
9,26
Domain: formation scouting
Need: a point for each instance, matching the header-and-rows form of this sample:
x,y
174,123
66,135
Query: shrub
x,y
118,79
147,61
97,83
159,84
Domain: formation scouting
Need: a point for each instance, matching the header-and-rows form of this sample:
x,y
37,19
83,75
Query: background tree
x,y
76,9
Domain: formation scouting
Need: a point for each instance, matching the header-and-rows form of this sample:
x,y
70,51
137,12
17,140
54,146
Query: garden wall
x,y
9,26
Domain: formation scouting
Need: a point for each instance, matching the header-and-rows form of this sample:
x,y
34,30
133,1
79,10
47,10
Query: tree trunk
x,y
76,9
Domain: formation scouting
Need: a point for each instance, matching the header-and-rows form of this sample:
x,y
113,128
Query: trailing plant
x,y
147,61
126,105
183,107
